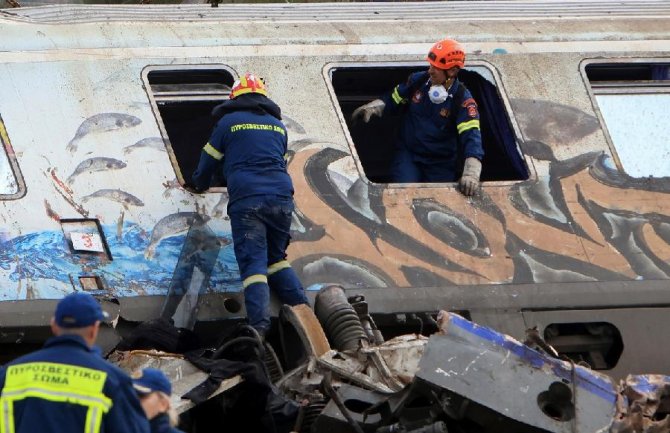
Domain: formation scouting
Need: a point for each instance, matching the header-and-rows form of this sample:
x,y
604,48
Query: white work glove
x,y
374,108
469,182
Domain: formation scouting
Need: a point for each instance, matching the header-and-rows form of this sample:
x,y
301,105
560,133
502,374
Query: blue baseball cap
x,y
78,310
151,380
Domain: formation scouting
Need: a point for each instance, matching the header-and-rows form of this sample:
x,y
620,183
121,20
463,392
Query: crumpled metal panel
x,y
385,368
183,375
500,373
401,355
643,405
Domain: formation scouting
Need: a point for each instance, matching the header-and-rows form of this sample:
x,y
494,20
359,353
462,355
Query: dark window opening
x,y
600,72
185,98
374,141
424,323
598,344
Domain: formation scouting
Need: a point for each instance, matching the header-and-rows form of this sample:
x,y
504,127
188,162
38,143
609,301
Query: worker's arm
x,y
210,158
402,93
209,161
392,101
470,140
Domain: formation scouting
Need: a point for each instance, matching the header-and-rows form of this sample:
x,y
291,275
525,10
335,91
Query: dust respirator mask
x,y
437,94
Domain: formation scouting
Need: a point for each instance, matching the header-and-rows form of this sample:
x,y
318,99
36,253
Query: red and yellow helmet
x,y
249,83
446,54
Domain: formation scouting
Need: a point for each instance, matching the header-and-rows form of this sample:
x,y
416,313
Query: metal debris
x,y
183,375
643,405
465,378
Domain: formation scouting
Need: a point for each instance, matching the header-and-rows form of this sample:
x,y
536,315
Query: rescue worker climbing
x,y
251,142
440,127
67,387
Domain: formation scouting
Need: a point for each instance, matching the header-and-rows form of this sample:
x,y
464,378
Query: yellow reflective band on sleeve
x,y
211,151
396,97
276,267
257,278
470,124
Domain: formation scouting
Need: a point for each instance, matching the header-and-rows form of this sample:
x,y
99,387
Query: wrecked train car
x,y
465,378
104,109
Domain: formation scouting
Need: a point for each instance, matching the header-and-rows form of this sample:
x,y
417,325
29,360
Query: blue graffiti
x,y
45,258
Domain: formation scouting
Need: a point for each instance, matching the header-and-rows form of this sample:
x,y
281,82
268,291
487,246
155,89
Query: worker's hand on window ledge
x,y
469,182
192,188
374,108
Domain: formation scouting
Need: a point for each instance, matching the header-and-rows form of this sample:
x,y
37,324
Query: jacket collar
x,y
70,340
248,102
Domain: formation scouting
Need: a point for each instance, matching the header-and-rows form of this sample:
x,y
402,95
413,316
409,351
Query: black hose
x,y
330,392
238,340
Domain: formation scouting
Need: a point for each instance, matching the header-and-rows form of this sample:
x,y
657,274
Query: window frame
x,y
6,147
159,119
612,90
502,93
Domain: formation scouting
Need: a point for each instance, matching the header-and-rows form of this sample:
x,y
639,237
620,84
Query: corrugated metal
x,y
334,12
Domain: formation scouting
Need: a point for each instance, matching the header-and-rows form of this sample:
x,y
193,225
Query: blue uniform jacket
x,y
251,141
436,133
161,424
68,387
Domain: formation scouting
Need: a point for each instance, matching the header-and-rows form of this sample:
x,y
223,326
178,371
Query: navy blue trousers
x,y
261,233
405,169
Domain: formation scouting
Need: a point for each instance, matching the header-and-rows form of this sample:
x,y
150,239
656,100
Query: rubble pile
x,y
342,377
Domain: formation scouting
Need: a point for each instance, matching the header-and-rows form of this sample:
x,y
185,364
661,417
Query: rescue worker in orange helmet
x,y
440,126
250,143
67,387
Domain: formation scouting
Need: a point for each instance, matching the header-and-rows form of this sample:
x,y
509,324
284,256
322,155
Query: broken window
x,y
599,344
183,98
632,99
11,186
374,142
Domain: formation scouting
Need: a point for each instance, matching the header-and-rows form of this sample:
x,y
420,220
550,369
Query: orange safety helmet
x,y
249,83
446,54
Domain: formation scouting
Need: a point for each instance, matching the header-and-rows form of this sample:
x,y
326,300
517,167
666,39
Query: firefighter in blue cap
x,y
439,132
250,141
67,387
155,390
